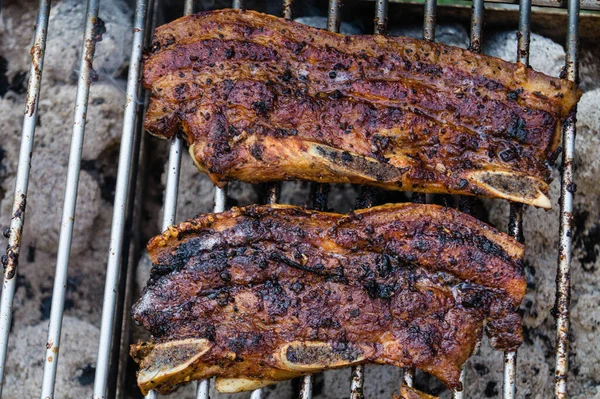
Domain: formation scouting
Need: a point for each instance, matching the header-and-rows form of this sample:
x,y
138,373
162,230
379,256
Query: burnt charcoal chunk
x,y
87,375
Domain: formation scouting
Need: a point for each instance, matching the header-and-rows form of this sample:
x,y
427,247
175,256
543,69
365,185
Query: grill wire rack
x,y
111,340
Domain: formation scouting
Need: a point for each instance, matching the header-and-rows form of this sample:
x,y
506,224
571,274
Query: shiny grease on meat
x,y
260,294
264,99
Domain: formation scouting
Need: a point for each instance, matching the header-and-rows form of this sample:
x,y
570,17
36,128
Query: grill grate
x,y
127,167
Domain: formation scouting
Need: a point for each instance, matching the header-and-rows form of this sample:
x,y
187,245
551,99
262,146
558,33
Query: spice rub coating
x,y
261,294
262,99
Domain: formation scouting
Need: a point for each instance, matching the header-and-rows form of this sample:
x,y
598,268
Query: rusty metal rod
x,y
408,377
524,32
515,224
476,25
321,192
563,281
120,206
475,46
287,9
68,215
11,259
366,201
429,20
381,16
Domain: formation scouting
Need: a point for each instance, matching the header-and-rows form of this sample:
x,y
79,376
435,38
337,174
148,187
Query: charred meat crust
x,y
413,115
271,292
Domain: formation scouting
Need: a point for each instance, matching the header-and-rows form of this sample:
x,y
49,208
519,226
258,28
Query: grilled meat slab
x,y
264,99
260,294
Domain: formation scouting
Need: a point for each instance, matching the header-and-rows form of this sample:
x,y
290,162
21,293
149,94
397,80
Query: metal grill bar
x,y
429,20
120,205
273,190
466,204
202,389
11,259
515,224
567,190
524,31
381,16
172,184
366,201
287,9
357,382
476,26
171,191
408,377
170,203
515,230
306,387
68,216
321,191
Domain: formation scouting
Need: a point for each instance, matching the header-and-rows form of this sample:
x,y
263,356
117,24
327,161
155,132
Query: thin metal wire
x,y
381,16
358,381
509,388
429,20
202,389
322,190
120,205
476,25
456,394
515,230
333,16
515,227
524,31
563,281
358,372
11,259
288,9
408,377
121,341
273,190
306,387
475,46
256,394
172,185
68,216
171,195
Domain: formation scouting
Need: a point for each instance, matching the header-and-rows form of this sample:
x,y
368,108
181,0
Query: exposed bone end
x,y
316,356
411,393
233,385
513,186
170,363
346,163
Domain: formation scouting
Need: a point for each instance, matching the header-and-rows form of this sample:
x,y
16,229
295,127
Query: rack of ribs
x,y
260,99
260,294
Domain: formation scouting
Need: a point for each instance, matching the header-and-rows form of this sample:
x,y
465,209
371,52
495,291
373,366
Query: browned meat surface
x,y
265,293
263,99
